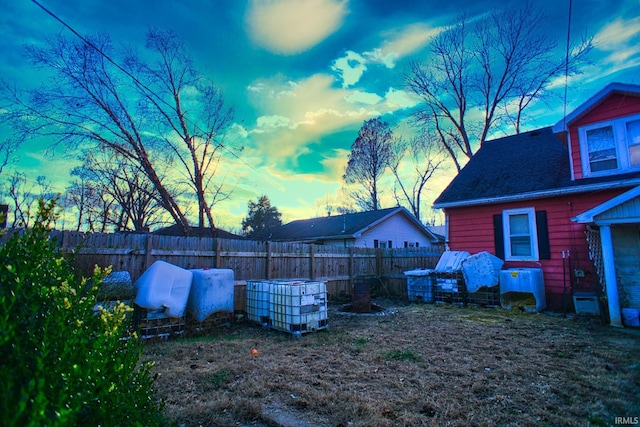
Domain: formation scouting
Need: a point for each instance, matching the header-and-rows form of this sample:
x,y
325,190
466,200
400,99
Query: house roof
x,y
524,166
176,230
594,101
530,161
349,226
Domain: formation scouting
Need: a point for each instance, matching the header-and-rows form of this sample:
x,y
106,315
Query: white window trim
x,y
620,140
531,214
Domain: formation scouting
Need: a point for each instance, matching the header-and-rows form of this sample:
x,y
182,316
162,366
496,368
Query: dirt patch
x,y
417,365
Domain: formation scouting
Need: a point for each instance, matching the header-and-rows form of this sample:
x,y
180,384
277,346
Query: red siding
x,y
471,229
611,108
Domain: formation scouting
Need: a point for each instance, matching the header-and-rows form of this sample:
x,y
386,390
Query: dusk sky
x,y
303,75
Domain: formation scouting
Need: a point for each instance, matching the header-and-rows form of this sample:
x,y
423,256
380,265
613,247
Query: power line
x,y
566,66
142,85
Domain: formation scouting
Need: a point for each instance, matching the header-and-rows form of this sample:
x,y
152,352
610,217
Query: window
x,y
610,147
602,149
520,235
633,140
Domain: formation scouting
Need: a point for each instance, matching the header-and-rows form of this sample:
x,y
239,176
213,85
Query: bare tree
x,y
413,163
8,148
495,66
192,115
25,195
368,159
112,192
83,196
131,110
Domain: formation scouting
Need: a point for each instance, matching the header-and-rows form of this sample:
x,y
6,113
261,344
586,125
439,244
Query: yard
x,y
413,365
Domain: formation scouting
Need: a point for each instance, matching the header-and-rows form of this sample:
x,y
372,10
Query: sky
x,y
303,76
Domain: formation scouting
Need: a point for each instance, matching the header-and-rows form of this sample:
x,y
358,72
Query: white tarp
x,y
481,269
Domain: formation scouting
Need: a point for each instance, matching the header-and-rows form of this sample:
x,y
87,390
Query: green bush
x,y
62,362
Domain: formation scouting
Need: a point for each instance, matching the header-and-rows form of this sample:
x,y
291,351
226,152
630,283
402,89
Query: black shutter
x,y
542,229
498,235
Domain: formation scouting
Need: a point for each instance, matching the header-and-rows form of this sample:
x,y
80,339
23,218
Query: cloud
x,y
274,121
363,98
350,68
401,42
289,27
294,115
334,165
619,44
397,44
400,99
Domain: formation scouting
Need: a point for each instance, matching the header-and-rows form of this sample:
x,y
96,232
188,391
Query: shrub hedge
x,y
63,359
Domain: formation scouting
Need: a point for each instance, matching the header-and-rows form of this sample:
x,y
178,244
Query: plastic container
x,y
117,285
631,317
586,302
515,282
164,286
257,300
212,291
298,306
420,285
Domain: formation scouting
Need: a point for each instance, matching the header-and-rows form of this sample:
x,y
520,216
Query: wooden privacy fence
x,y
249,260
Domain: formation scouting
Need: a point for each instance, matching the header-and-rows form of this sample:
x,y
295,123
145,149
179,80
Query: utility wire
x,y
142,85
566,69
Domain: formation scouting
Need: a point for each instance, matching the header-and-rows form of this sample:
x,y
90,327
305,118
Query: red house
x,y
565,199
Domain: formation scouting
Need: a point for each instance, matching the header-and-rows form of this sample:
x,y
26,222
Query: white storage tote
x,y
298,306
257,301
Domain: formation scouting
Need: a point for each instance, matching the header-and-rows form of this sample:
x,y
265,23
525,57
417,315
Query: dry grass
x,y
422,365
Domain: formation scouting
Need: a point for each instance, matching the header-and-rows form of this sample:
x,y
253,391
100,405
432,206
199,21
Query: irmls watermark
x,y
626,421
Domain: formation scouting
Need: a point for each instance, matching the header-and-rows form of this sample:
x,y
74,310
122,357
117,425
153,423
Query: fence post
x,y
147,258
268,275
350,272
312,254
218,254
378,262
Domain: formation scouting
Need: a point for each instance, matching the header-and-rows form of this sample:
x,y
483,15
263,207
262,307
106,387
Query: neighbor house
x,y
565,199
383,228
176,230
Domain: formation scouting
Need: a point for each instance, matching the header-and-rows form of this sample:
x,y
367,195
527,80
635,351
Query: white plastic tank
x,y
211,292
298,306
420,285
516,283
257,301
164,285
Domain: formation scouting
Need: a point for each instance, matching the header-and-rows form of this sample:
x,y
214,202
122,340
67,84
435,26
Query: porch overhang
x,y
622,209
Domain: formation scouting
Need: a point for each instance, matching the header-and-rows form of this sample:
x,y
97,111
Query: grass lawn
x,y
415,365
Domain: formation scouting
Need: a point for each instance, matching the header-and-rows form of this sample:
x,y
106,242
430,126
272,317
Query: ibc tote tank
x,y
257,298
211,292
298,306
